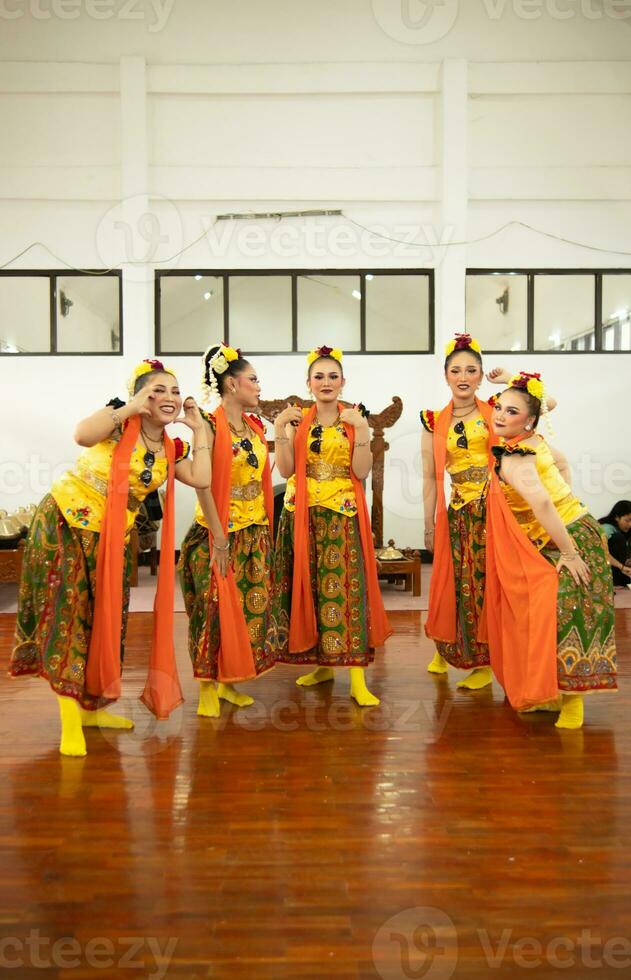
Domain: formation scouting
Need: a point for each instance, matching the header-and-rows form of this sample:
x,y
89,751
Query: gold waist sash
x,y
322,471
248,491
527,516
133,503
472,474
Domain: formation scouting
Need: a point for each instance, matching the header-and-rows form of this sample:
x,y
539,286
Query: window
x,y
271,311
58,313
573,310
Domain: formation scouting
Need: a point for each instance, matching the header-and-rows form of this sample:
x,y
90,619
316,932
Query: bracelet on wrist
x,y
196,448
116,419
569,555
219,548
281,438
367,443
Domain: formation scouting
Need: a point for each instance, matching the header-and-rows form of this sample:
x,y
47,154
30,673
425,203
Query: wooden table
x,y
11,563
407,568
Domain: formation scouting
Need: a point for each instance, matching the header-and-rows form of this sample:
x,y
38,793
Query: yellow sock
x,y
571,712
438,665
359,691
317,676
72,740
103,719
208,706
226,692
479,677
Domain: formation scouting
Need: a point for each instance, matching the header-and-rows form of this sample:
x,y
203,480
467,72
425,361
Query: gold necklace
x,y
323,426
147,439
468,411
239,435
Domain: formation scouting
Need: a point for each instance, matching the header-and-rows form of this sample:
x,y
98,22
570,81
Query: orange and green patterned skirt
x,y
251,560
56,604
338,584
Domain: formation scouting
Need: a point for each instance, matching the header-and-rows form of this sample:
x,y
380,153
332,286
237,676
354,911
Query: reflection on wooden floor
x,y
439,835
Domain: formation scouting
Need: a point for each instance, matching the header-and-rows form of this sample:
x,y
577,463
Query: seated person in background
x,y
617,528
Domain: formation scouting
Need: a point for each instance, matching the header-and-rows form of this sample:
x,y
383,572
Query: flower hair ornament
x,y
324,351
462,341
533,384
218,364
149,364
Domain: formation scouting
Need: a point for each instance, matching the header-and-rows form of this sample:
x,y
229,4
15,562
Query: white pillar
x,y
136,217
450,275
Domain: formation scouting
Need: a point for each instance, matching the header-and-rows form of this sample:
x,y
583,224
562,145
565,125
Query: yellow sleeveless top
x,y
247,501
467,466
568,507
80,493
328,473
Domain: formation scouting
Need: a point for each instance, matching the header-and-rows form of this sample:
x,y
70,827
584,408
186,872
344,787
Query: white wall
x,y
128,137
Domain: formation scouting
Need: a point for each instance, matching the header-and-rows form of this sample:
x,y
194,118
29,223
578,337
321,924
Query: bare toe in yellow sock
x,y
317,676
227,692
571,712
103,719
478,678
359,691
438,665
72,739
208,706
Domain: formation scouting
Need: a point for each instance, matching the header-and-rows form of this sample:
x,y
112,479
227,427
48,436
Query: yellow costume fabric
x,y
568,507
467,467
329,483
247,501
80,493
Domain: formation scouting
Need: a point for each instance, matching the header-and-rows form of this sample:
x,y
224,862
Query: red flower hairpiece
x,y
155,365
524,378
463,340
324,351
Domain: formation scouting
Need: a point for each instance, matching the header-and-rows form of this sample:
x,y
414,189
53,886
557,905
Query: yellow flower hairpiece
x,y
219,364
531,383
324,351
145,367
462,341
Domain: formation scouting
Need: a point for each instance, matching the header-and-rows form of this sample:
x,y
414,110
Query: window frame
x,y
52,275
294,274
531,274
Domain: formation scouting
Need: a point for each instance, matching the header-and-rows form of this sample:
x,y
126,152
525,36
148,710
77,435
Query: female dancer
x,y
74,592
457,439
328,609
226,555
549,594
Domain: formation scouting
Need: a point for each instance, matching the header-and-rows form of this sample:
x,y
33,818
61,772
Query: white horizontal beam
x,y
550,184
295,183
342,78
49,77
550,77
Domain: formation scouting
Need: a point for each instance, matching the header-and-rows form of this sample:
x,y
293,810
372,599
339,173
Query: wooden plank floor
x,y
439,835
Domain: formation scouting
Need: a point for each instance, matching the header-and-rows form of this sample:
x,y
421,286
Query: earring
x,y
528,427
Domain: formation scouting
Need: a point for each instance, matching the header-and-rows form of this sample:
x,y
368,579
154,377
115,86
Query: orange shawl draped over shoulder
x,y
519,619
162,691
303,628
441,618
235,659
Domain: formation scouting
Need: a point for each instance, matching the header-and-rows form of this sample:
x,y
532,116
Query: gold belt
x,y
249,491
527,516
133,503
472,474
321,471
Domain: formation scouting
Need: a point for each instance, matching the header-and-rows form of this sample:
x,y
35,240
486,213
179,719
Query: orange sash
x,y
162,691
235,659
519,618
441,617
303,627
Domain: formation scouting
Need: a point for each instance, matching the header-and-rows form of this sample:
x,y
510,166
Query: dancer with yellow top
x,y
456,439
549,613
327,609
74,590
226,557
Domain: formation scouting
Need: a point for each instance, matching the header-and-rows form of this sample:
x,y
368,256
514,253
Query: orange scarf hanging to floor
x,y
441,617
303,627
519,619
235,659
162,691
